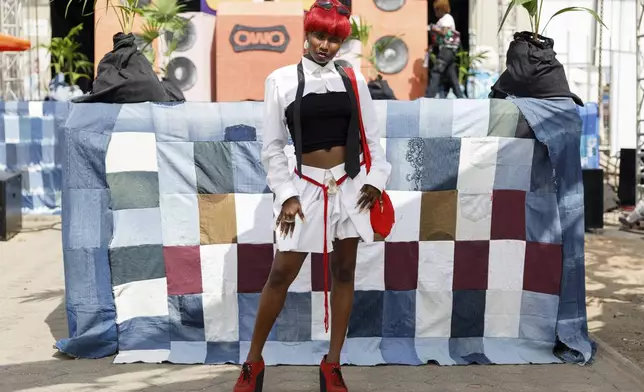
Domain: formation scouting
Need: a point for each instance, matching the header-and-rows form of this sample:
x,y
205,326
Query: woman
x,y
329,194
448,40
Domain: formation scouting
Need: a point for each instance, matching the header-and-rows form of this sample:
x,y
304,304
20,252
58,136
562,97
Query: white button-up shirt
x,y
280,91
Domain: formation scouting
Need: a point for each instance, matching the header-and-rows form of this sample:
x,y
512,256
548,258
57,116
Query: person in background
x,y
630,220
448,40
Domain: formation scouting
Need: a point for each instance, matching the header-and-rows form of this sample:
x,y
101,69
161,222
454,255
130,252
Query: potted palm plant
x,y
532,69
69,65
125,75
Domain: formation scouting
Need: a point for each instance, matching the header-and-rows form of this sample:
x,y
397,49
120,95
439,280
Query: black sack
x,y
532,70
379,89
125,76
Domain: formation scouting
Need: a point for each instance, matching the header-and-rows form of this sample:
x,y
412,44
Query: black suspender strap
x,y
297,118
352,148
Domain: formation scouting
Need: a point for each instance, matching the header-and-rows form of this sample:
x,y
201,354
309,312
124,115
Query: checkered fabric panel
x,y
470,273
30,134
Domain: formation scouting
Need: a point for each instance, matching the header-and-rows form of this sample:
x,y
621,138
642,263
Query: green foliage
x,y
534,8
66,58
360,31
467,63
160,18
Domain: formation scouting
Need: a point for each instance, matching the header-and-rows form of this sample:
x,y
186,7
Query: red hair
x,y
327,21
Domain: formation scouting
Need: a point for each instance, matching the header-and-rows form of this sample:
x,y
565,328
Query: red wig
x,y
330,21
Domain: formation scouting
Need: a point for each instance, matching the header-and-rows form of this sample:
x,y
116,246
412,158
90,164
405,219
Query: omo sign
x,y
247,38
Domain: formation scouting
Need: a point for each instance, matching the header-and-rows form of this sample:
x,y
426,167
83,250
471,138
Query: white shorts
x,y
344,219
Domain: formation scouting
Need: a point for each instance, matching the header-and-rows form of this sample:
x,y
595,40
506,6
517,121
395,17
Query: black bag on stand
x,y
379,89
126,76
533,70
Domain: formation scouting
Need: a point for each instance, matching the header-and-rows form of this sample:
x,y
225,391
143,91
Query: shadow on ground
x,y
615,290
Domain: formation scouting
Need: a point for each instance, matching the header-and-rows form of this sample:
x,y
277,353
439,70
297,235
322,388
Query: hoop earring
x,y
306,44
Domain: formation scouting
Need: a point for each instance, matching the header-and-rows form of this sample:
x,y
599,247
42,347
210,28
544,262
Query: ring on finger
x,y
289,220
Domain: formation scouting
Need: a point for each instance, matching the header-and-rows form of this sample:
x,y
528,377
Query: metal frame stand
x,y
11,82
639,14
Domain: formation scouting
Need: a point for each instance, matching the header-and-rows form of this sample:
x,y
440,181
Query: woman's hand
x,y
286,218
368,196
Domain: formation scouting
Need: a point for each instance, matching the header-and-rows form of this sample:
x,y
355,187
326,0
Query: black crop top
x,y
325,120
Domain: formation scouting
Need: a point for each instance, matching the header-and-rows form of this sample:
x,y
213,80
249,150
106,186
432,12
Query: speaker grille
x,y
186,38
392,54
389,5
182,72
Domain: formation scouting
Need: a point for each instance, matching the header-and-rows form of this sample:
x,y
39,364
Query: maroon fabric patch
x,y
401,266
508,215
183,269
471,265
254,263
543,268
317,271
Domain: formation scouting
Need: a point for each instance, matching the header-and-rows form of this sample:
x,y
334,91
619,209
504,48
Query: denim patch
x,y
213,161
132,190
155,329
222,352
248,172
435,118
542,218
186,318
468,313
403,119
399,351
399,314
132,263
367,315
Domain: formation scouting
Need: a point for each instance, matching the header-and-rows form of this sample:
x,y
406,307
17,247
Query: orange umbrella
x,y
10,43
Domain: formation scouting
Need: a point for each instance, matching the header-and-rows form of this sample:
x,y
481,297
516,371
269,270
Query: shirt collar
x,y
311,66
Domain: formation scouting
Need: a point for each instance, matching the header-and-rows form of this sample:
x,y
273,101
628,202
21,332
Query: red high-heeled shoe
x,y
331,377
251,378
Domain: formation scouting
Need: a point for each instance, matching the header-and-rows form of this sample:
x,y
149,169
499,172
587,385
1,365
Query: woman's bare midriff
x,y
324,159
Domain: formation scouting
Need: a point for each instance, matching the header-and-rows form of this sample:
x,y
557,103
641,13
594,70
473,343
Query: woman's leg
x,y
285,268
452,77
343,268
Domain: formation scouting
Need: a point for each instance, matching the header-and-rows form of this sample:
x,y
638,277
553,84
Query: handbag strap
x,y
363,138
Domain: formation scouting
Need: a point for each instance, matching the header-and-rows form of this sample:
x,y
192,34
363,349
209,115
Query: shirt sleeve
x,y
378,177
275,138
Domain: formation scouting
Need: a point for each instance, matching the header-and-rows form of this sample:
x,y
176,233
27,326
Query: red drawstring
x,y
325,259
325,255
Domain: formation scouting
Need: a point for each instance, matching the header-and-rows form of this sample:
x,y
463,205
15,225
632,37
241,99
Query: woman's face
x,y
439,13
323,46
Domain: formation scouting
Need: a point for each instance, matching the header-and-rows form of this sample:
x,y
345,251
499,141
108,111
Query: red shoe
x,y
251,378
331,377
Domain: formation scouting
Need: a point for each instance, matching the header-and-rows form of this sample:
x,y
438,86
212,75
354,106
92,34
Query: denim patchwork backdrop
x,y
483,265
31,142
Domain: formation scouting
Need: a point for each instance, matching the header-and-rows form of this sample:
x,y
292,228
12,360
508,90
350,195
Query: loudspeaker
x,y
254,39
190,66
626,189
593,198
10,205
399,27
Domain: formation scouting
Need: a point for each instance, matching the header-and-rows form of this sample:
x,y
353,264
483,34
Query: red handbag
x,y
382,213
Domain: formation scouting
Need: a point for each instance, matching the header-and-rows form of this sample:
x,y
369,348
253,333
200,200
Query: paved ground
x,y
32,318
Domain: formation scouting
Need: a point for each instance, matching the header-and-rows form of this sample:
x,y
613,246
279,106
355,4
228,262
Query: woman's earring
x,y
306,44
